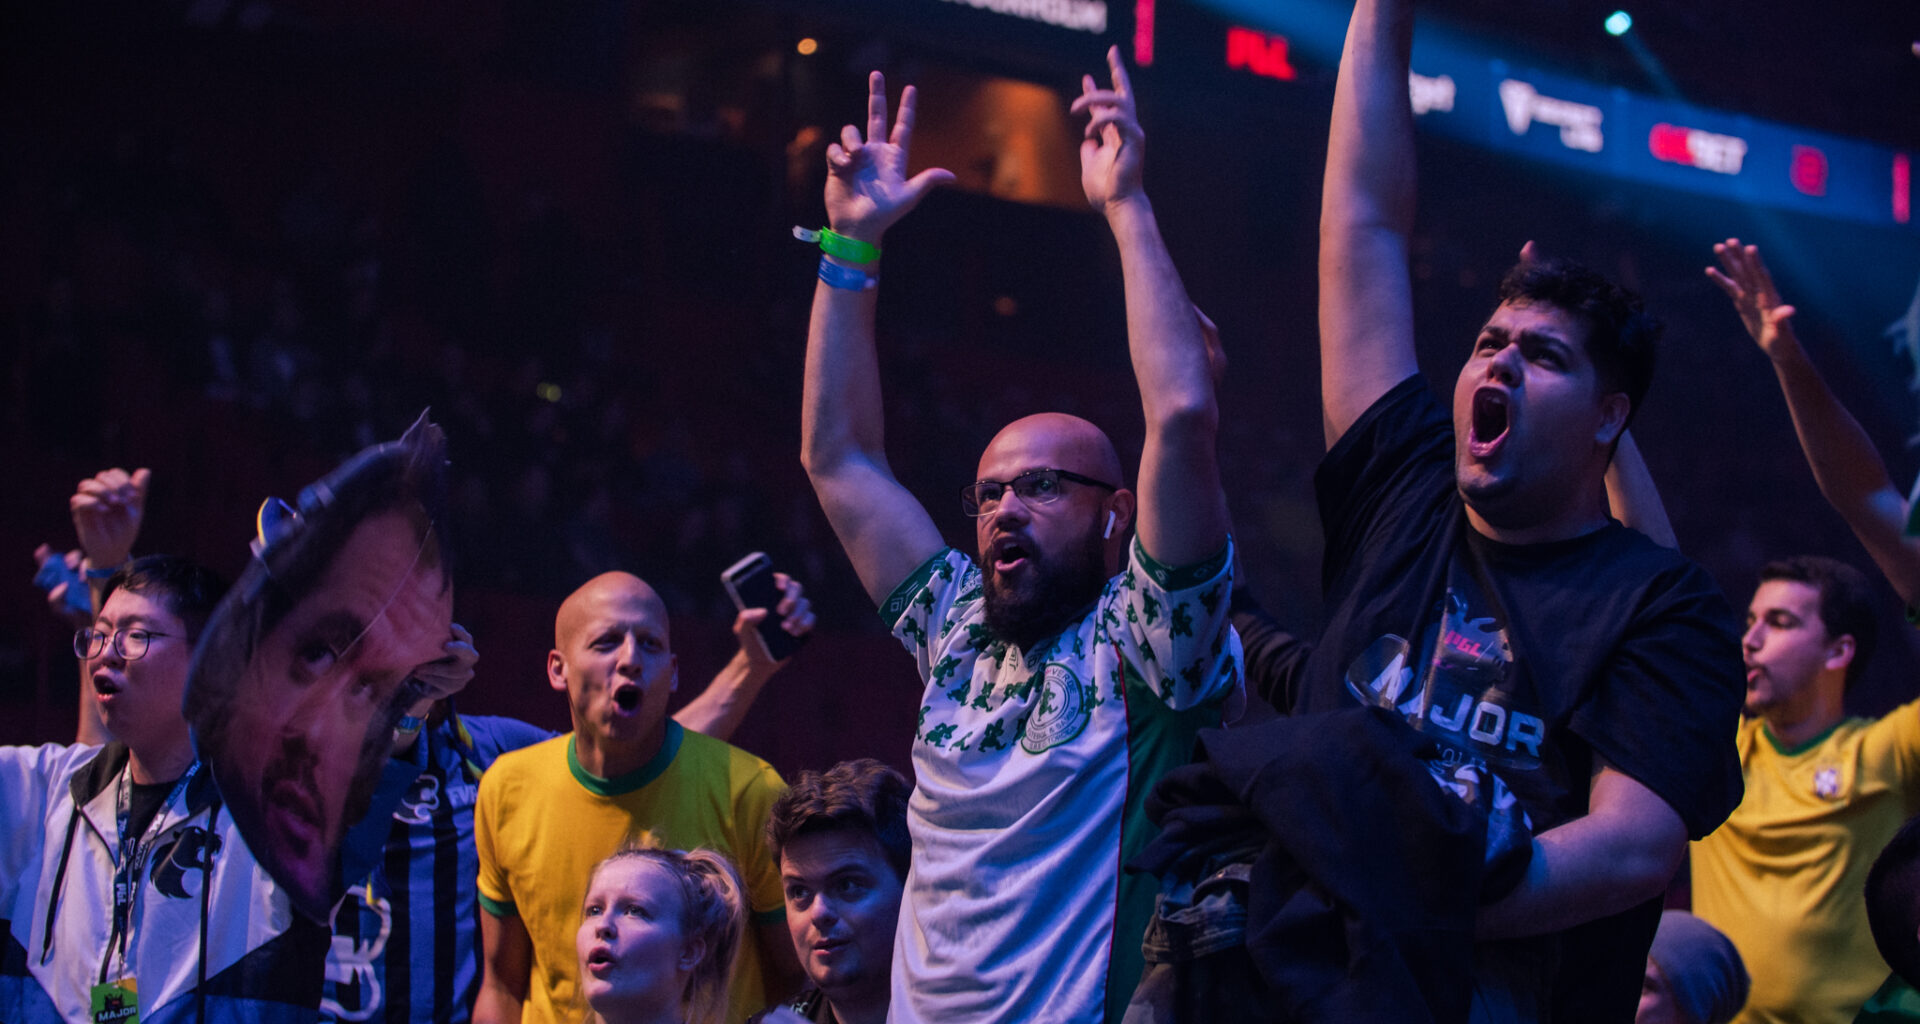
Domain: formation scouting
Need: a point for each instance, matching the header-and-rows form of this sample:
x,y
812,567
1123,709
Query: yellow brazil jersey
x,y
1783,878
543,822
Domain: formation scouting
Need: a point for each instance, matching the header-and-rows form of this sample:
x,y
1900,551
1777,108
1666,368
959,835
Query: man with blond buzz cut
x,y
1067,666
626,774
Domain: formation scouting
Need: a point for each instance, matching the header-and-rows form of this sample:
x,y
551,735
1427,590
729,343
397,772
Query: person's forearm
x,y
495,1007
1163,335
1848,468
1183,516
1843,459
724,704
1634,498
1274,656
841,412
506,962
1366,215
1571,880
843,449
1622,853
1370,156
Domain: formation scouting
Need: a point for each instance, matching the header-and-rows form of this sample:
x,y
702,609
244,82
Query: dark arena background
x,y
240,239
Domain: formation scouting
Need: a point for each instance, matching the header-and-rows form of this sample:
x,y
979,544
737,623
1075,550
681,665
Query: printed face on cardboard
x,y
309,661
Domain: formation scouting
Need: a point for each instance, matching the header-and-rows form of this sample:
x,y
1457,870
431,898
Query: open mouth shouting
x,y
1492,410
1009,553
105,686
626,698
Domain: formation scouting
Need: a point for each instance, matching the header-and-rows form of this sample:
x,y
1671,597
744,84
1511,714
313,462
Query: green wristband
x,y
839,246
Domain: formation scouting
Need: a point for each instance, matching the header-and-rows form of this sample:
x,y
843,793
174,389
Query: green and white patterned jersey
x,y
1033,769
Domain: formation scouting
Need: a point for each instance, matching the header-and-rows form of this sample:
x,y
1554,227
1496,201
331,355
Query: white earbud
x,y
1110,517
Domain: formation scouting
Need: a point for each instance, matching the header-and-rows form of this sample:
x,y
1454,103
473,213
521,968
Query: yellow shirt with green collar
x,y
543,822
1784,876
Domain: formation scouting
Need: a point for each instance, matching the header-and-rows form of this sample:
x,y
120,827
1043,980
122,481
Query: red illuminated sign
x,y
1143,33
1902,188
1691,147
1807,169
1669,143
1259,53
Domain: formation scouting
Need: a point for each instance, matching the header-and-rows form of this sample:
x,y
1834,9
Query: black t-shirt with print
x,y
1530,659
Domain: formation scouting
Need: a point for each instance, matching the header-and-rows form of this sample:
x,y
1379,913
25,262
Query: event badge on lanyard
x,y
115,1001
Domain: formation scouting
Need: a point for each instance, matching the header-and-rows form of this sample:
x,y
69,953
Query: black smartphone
x,y
750,583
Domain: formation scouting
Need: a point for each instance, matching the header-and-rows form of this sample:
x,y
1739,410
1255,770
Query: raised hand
x,y
438,680
68,599
798,621
1112,152
867,186
1743,275
107,509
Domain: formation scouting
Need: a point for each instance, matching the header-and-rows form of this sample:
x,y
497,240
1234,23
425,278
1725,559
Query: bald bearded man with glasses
x,y
1069,665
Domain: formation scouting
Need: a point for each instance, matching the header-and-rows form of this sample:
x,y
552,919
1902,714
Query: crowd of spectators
x,y
608,319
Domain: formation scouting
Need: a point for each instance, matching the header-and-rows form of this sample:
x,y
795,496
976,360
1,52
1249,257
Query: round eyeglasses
x,y
130,644
1035,487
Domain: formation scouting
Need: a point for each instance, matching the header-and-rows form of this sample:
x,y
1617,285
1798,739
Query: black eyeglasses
x,y
1035,487
130,644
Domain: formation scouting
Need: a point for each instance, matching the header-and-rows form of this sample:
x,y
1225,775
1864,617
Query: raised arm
x,y
1845,463
1632,496
886,532
1366,214
107,509
1183,515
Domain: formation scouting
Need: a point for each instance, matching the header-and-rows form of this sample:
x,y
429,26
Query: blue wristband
x,y
837,276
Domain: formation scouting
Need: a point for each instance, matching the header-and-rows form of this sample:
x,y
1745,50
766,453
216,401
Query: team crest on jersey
x,y
192,850
352,962
1063,710
1826,782
417,807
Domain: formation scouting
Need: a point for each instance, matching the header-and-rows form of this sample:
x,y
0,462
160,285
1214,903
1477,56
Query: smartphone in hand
x,y
750,583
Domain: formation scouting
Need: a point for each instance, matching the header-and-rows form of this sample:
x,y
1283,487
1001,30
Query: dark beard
x,y
1055,592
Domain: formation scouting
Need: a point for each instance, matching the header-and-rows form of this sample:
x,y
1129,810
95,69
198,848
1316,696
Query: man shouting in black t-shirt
x,y
1477,585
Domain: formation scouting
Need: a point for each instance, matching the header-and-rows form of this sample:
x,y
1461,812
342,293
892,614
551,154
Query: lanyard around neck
x,y
132,852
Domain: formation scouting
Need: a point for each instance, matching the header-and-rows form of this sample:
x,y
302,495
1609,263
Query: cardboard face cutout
x,y
308,662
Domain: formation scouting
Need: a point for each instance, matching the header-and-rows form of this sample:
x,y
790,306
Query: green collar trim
x,y
622,784
1786,751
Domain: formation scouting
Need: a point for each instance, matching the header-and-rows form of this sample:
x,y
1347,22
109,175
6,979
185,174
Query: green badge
x,y
115,1002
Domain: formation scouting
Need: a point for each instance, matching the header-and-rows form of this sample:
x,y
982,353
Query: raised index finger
x,y
876,107
1121,84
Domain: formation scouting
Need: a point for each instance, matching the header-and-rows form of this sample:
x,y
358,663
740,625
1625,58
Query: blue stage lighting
x,y
1618,23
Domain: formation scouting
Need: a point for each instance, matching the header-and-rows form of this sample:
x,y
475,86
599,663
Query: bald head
x,y
1051,440
598,598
